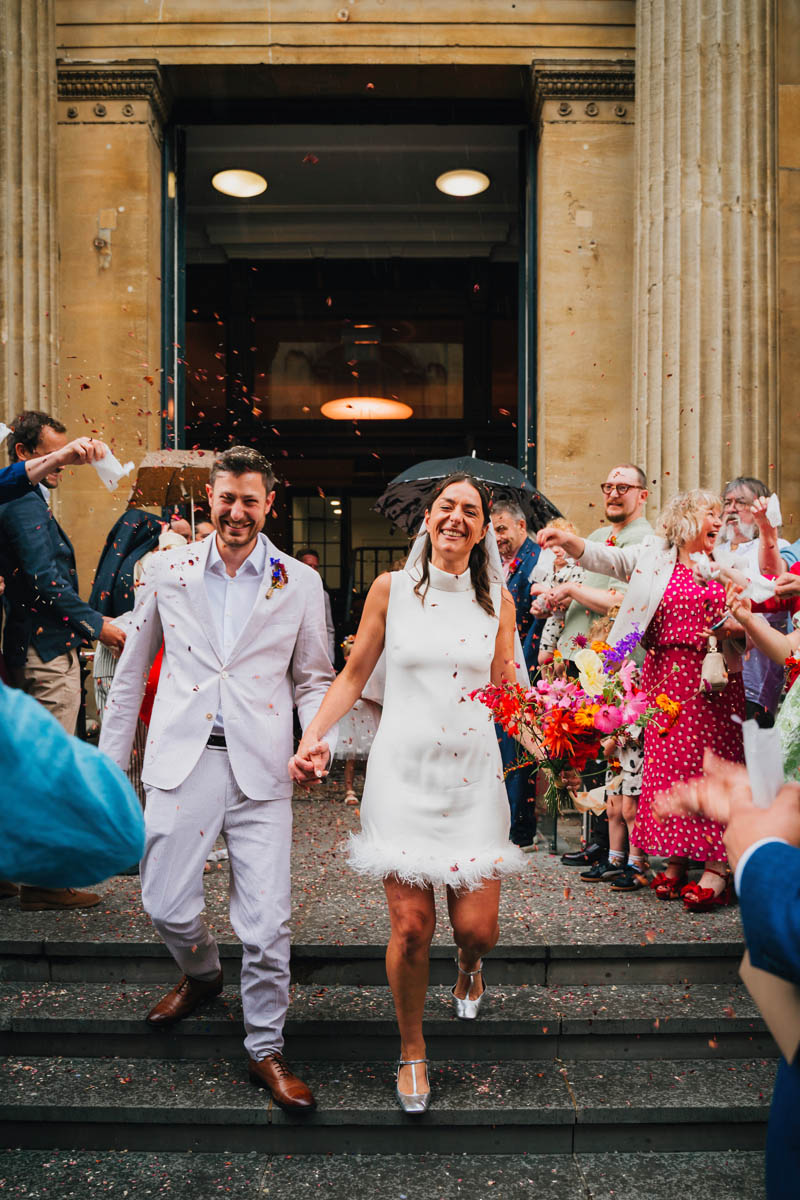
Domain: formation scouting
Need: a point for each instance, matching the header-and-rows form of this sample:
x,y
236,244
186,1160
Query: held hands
x,y
310,764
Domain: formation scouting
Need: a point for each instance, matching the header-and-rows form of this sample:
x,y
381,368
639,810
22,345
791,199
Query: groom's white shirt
x,y
278,660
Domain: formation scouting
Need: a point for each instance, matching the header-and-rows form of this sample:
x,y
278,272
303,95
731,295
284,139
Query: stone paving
x,y
546,905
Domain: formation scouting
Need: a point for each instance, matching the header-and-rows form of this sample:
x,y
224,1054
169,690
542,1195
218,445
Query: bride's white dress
x,y
434,808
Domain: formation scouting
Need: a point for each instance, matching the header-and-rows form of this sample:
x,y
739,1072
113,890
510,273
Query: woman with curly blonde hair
x,y
676,610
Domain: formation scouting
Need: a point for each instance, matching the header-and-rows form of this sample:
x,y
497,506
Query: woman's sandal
x,y
414,1102
701,899
668,887
351,797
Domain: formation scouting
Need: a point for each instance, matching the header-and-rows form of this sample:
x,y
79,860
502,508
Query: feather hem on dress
x,y
419,869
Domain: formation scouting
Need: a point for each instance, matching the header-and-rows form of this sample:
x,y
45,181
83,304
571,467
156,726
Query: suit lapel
x,y
260,612
193,574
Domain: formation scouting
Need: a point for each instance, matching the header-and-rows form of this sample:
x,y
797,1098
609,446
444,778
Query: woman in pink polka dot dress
x,y
666,600
676,646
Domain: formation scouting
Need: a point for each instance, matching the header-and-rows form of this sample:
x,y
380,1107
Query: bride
x,y
434,809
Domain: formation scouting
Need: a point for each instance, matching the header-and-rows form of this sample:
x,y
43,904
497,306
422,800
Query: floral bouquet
x,y
560,723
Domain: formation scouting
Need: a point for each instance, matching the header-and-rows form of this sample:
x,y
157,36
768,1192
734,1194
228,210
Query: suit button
x,y
224,674
208,716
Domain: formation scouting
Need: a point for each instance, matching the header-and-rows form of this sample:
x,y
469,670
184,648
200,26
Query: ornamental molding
x,y
578,84
140,80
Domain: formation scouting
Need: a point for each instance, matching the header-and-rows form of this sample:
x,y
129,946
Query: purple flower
x,y
617,654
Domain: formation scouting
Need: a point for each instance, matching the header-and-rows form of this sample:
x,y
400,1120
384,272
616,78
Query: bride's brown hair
x,y
478,557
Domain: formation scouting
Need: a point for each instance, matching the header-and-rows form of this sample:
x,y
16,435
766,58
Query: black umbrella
x,y
406,497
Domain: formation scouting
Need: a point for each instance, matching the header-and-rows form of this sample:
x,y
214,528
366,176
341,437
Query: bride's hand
x,y
310,764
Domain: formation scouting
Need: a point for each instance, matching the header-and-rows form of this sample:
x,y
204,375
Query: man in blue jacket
x,y
46,619
763,847
519,553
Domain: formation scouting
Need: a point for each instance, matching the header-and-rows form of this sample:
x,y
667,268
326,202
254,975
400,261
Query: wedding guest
x,y
624,498
434,809
624,868
745,530
311,558
356,733
518,552
676,612
763,846
46,620
562,570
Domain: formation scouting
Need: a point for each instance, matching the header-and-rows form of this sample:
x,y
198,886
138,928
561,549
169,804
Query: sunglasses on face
x,y
620,488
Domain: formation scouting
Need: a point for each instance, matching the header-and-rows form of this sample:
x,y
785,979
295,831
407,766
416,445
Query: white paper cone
x,y
4,430
110,469
774,511
543,565
764,758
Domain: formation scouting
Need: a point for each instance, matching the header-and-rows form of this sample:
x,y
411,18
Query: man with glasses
x,y
763,679
625,495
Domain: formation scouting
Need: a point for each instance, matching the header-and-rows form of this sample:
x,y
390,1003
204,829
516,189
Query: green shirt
x,y
578,619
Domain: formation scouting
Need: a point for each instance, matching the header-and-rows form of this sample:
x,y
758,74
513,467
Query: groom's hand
x,y
310,764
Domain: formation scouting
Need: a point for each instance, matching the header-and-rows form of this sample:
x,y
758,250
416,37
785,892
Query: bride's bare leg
x,y
412,912
473,916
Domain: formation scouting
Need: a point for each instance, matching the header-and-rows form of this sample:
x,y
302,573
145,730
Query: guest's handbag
x,y
714,672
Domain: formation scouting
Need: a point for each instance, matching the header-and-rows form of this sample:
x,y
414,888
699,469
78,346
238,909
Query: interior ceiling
x,y
351,191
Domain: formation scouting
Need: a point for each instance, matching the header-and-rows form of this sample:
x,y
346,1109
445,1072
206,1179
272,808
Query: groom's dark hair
x,y
242,460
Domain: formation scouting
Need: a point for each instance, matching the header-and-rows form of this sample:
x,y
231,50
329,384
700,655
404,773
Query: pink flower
x,y
608,718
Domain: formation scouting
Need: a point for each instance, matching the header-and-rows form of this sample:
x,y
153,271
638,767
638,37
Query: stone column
x,y
584,114
705,317
28,306
110,118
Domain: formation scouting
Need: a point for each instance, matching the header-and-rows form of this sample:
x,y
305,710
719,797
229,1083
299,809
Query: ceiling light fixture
x,y
239,183
463,182
366,408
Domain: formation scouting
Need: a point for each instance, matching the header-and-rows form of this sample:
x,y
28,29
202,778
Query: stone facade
x,y
617,288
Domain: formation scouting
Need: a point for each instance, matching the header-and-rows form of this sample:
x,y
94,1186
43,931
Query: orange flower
x,y
584,717
599,647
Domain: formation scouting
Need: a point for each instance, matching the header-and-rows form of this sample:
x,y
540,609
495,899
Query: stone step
x,y
32,1175
650,960
508,1107
337,1022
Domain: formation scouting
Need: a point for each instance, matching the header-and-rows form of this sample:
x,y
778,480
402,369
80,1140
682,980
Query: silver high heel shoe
x,y
412,1102
465,1008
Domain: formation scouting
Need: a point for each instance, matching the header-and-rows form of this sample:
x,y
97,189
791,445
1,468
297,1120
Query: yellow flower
x,y
590,672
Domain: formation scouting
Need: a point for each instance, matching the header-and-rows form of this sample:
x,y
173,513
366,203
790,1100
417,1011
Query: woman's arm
x,y
346,687
776,645
596,599
503,666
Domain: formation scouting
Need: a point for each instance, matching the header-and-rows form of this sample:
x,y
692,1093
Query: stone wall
x,y
788,72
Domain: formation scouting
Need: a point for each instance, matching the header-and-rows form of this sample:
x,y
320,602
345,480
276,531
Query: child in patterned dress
x,y
624,751
356,733
562,569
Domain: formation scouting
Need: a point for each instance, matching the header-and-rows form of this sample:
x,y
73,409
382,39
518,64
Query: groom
x,y
244,641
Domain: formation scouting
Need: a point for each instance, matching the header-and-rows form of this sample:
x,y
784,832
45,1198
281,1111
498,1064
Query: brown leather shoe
x,y
287,1090
36,899
8,889
183,1000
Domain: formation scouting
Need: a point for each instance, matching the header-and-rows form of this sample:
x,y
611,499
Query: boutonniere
x,y
611,540
513,566
279,577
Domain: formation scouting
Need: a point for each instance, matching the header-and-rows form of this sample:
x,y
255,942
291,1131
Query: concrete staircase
x,y
618,1055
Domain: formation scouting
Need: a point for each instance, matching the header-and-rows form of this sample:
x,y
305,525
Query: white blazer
x,y
279,661
646,566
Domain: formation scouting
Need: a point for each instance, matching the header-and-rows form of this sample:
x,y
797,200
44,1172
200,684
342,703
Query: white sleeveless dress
x,y
434,808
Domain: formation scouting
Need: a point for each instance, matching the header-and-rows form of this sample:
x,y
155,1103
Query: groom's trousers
x,y
182,826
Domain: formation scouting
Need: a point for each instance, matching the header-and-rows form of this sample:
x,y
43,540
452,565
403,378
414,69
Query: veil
x,y
495,576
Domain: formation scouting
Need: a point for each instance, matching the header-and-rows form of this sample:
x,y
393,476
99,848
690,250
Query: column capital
x,y
113,92
578,89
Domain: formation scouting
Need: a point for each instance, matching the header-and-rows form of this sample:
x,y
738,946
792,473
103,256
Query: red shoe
x,y
700,899
668,887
